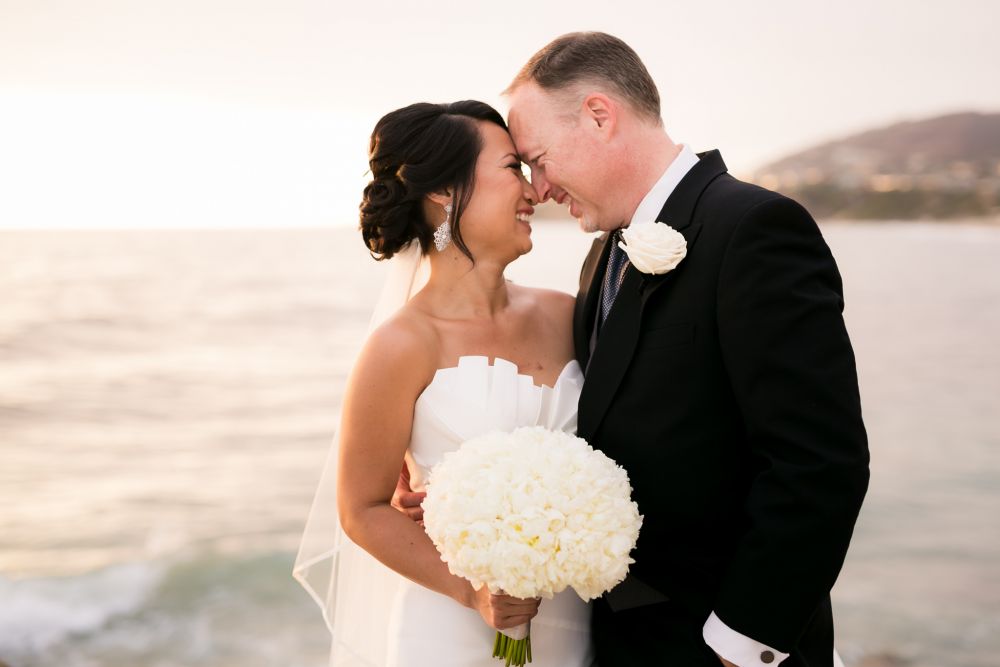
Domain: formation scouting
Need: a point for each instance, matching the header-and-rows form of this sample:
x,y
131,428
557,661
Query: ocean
x,y
167,399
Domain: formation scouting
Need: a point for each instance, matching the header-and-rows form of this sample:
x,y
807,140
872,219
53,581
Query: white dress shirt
x,y
730,644
654,200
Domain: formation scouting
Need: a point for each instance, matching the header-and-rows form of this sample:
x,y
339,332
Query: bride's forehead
x,y
495,138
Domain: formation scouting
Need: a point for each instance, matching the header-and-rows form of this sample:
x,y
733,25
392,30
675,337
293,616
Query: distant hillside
x,y
941,167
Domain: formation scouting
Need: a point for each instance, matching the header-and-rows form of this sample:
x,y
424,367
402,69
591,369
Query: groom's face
x,y
565,161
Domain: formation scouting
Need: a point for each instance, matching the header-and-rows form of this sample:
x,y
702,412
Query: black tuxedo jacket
x,y
727,389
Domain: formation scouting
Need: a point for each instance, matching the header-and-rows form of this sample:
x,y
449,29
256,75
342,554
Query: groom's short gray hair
x,y
592,57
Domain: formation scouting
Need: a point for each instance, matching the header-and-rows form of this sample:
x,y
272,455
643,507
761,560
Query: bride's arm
x,y
376,421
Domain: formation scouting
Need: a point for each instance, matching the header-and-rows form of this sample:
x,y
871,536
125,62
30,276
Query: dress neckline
x,y
457,366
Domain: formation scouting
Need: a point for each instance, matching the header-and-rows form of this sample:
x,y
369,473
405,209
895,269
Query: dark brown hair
x,y
593,57
415,151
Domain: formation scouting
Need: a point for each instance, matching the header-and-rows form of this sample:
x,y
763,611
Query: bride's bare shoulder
x,y
549,303
549,318
402,348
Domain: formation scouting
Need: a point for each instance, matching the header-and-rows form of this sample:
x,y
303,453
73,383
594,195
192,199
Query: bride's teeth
x,y
523,217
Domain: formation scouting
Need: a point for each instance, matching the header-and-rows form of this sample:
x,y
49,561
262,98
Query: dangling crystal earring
x,y
442,235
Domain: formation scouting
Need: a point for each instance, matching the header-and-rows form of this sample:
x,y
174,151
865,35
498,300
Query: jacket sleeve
x,y
792,369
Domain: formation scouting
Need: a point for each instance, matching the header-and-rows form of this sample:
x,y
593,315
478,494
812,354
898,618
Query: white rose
x,y
653,248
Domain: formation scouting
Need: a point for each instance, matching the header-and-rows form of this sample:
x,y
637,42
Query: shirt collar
x,y
653,202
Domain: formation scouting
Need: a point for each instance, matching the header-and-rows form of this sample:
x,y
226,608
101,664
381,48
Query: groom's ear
x,y
601,111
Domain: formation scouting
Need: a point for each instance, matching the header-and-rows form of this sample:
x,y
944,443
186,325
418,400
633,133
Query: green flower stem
x,y
514,652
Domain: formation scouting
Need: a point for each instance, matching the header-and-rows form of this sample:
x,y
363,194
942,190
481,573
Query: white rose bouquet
x,y
531,513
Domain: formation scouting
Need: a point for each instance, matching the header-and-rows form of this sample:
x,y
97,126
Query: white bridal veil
x,y
353,590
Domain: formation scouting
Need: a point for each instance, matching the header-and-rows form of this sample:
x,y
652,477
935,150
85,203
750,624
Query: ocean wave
x,y
206,609
37,614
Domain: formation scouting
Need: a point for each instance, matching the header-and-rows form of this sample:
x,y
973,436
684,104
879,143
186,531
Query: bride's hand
x,y
503,611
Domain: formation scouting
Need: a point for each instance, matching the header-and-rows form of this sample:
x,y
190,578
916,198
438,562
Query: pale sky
x,y
173,113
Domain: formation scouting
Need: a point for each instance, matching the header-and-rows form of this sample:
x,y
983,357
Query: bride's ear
x,y
441,198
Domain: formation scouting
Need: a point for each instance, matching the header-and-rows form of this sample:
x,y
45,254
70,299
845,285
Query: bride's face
x,y
496,224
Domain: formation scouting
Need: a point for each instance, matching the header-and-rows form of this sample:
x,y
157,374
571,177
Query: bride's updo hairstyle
x,y
415,151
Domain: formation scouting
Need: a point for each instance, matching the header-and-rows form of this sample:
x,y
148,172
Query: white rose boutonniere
x,y
653,248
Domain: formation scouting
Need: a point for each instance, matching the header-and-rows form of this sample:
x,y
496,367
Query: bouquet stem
x,y
514,652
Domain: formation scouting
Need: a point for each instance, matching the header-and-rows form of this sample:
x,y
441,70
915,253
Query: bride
x,y
468,353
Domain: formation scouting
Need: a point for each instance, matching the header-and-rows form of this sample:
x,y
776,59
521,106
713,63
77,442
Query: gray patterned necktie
x,y
613,276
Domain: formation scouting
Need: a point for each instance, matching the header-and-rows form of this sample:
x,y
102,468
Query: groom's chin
x,y
587,225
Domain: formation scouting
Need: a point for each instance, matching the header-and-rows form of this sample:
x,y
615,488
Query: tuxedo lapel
x,y
620,332
614,350
678,211
587,298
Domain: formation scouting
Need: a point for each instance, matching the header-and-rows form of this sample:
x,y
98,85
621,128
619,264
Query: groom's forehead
x,y
523,100
523,144
517,123
523,123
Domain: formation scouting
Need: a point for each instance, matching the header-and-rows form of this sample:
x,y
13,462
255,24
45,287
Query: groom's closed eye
x,y
534,165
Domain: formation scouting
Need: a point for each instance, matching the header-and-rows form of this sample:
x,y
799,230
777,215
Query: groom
x,y
726,387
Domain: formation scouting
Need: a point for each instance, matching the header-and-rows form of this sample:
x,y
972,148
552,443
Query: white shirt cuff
x,y
736,648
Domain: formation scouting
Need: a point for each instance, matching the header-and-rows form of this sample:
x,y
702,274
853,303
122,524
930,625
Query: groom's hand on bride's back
x,y
406,500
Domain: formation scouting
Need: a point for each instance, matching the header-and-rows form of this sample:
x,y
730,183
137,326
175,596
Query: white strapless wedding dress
x,y
473,398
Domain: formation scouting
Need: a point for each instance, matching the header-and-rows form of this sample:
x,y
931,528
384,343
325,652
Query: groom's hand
x,y
406,500
726,662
